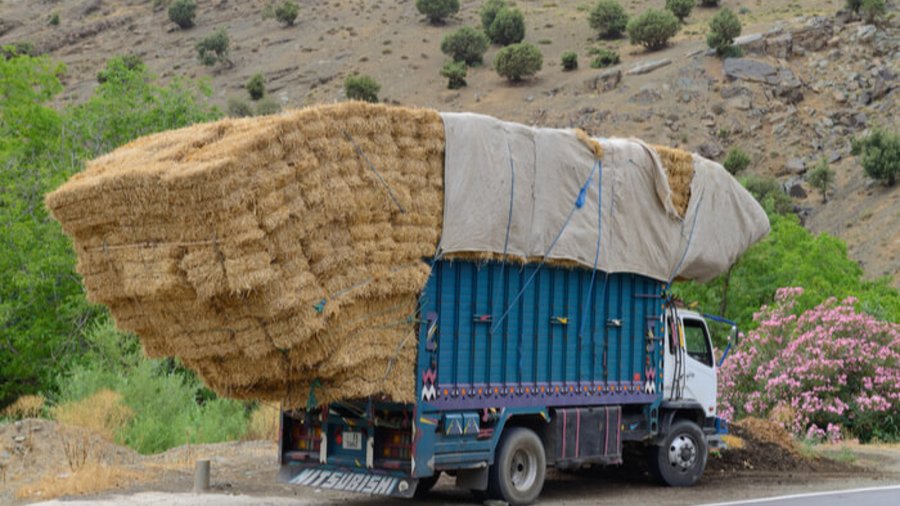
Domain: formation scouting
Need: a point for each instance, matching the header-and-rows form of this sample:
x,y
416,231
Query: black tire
x,y
426,484
681,459
519,469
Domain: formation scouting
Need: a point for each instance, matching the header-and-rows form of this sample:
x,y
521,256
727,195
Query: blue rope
x,y
687,246
575,207
587,300
387,187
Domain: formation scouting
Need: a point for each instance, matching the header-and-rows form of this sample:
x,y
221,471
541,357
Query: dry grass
x,y
88,479
264,422
733,442
26,406
102,413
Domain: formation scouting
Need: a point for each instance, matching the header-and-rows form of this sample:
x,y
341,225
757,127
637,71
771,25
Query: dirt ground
x,y
244,473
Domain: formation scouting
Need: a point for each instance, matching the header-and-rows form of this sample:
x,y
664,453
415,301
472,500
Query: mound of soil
x,y
768,447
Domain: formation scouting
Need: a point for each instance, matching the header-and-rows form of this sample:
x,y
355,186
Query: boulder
x,y
604,81
795,166
710,149
644,68
780,46
753,43
746,69
814,34
865,33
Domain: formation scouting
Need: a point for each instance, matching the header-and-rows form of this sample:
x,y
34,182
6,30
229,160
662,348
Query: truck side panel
x,y
504,335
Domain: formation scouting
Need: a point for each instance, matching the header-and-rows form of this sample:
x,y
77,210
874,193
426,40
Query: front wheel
x,y
681,459
426,484
520,467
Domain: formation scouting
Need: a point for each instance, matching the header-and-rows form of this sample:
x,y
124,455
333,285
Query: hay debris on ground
x,y
279,257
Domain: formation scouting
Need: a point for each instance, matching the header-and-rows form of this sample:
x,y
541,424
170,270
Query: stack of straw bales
x,y
266,253
275,256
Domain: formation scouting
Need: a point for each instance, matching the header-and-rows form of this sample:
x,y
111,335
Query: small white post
x,y
201,477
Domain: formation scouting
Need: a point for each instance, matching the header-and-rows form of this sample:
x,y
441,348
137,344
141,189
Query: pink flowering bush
x,y
827,372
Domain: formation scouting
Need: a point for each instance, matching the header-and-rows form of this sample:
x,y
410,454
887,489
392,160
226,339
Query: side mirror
x,y
734,337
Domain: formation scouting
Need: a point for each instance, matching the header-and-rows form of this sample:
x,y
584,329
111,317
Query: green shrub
x,y
736,161
131,62
768,191
609,19
183,12
517,61
872,9
437,10
239,108
724,27
570,60
880,152
361,87
489,10
267,106
508,27
213,48
455,72
854,5
466,45
287,12
821,178
680,8
709,3
256,86
653,28
604,58
54,19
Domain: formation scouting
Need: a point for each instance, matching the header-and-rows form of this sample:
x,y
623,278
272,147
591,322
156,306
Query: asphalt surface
x,y
872,496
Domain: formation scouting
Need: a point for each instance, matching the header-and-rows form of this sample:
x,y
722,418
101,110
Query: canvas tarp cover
x,y
512,189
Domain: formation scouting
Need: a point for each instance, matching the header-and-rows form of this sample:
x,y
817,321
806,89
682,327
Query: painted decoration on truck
x,y
347,481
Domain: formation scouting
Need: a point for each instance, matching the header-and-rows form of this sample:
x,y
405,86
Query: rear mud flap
x,y
361,481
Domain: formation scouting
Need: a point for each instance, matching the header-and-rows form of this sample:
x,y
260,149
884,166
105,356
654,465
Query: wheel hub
x,y
683,452
523,470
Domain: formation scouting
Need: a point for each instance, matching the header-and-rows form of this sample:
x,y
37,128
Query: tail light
x,y
396,445
306,438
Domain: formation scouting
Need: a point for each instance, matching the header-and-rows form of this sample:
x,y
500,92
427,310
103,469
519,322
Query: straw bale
x,y
267,253
679,166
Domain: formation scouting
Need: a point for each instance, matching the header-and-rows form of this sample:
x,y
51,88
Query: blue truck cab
x,y
520,367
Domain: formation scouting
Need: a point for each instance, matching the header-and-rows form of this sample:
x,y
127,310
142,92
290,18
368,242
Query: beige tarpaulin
x,y
514,189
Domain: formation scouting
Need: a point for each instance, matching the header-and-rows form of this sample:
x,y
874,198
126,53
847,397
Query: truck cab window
x,y
696,341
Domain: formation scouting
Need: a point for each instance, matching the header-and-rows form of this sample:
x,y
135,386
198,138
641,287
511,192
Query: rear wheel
x,y
520,467
681,459
426,484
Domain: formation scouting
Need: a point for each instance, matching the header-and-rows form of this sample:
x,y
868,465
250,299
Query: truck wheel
x,y
681,459
426,484
520,466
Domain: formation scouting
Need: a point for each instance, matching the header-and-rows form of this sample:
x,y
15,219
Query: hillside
x,y
816,83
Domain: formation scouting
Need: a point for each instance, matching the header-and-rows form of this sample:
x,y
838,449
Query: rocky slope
x,y
806,86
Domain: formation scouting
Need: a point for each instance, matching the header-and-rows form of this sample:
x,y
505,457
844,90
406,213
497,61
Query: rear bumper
x,y
347,479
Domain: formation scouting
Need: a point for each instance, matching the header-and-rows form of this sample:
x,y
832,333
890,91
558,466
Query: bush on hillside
x,y
680,8
604,58
517,61
827,371
871,10
653,28
489,10
724,27
361,87
569,60
769,193
736,161
854,5
239,108
267,106
213,48
709,3
287,12
821,178
466,45
183,12
880,152
508,27
131,62
256,86
437,10
455,72
609,19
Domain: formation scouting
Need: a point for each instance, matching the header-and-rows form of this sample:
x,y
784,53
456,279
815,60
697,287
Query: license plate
x,y
352,441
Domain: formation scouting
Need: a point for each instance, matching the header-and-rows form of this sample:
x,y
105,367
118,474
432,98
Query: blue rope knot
x,y
320,306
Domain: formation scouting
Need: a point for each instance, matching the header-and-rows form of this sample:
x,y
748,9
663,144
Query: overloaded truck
x,y
423,293
520,368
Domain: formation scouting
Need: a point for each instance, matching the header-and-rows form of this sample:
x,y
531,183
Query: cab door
x,y
700,369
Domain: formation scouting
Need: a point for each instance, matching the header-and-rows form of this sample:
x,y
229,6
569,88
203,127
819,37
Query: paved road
x,y
872,496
